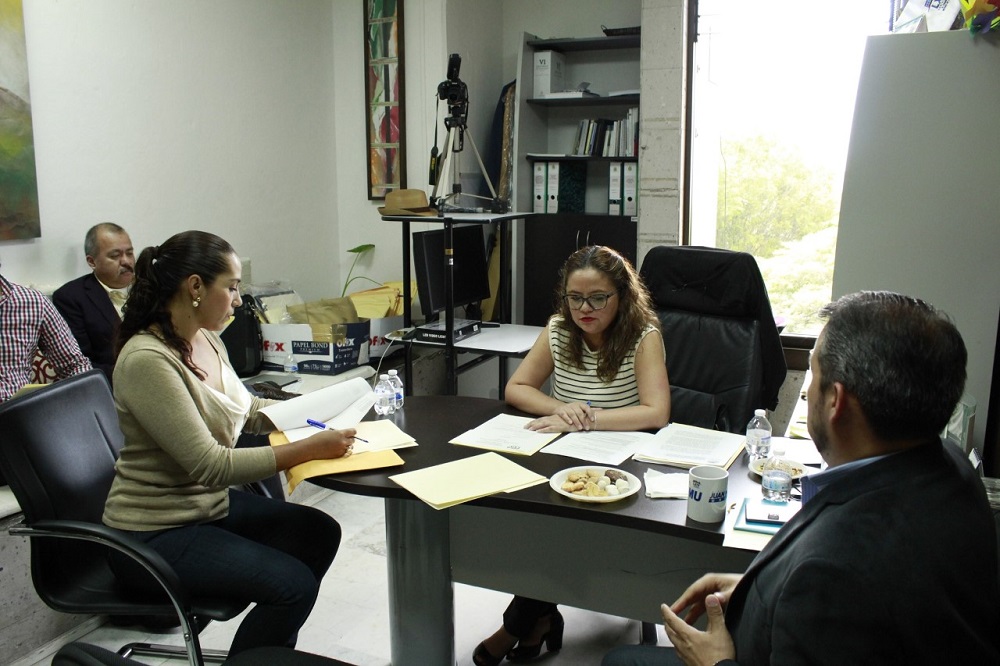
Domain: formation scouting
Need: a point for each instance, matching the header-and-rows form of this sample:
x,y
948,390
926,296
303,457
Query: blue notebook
x,y
772,516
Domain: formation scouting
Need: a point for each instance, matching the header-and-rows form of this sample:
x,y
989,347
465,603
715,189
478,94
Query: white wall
x,y
240,117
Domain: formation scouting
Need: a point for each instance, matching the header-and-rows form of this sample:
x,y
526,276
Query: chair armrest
x,y
151,560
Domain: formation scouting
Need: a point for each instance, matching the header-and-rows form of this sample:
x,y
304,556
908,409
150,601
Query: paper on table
x,y
339,406
687,446
505,433
605,446
666,486
381,435
467,479
353,463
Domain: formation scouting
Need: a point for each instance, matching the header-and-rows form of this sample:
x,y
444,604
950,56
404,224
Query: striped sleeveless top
x,y
572,384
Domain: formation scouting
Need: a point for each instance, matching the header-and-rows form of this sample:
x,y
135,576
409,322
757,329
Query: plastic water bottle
x,y
776,477
385,396
290,364
758,442
397,383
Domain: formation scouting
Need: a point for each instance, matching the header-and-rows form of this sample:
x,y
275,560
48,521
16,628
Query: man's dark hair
x,y
903,359
90,240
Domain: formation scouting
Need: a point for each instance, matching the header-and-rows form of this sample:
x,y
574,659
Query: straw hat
x,y
407,202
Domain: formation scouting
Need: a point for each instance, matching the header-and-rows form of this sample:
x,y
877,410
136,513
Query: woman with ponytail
x,y
181,408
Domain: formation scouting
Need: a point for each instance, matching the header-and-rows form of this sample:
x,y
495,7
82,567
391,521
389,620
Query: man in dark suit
x,y
893,557
92,304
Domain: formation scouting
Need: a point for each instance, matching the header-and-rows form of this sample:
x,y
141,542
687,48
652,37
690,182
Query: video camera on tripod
x,y
455,93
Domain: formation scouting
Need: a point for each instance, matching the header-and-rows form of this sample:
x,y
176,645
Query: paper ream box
x,y
319,349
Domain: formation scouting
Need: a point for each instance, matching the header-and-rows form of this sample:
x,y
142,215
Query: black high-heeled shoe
x,y
482,657
552,638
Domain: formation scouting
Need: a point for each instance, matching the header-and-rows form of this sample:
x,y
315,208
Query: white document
x,y
600,446
338,406
380,435
687,446
505,433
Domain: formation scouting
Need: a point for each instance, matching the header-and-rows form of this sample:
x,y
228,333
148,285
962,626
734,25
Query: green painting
x,y
18,185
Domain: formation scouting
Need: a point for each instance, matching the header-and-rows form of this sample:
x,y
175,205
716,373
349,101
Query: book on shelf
x,y
615,188
549,67
552,203
603,137
541,193
572,187
622,93
630,191
435,331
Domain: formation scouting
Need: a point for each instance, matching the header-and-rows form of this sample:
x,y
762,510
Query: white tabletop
x,y
505,339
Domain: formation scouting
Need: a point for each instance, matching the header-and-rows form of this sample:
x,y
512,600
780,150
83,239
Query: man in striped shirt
x,y
29,322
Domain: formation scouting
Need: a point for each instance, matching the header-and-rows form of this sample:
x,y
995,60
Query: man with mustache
x,y
92,304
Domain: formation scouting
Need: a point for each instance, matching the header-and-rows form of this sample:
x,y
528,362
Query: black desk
x,y
503,299
622,558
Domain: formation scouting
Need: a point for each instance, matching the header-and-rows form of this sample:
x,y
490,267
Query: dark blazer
x,y
894,564
88,310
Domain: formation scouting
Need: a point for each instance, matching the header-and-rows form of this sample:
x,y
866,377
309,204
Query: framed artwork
x,y
19,218
384,96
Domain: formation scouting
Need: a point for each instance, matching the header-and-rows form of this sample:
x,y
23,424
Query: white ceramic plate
x,y
756,466
559,478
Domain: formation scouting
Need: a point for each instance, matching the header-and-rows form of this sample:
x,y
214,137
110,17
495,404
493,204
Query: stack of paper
x,y
338,406
464,480
505,433
687,446
606,447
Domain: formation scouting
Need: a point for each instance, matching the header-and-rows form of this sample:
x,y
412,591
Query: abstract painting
x,y
19,217
384,96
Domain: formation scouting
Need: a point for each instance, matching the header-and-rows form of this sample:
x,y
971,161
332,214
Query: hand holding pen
x,y
350,447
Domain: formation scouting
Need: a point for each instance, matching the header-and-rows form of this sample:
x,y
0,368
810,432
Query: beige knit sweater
x,y
178,460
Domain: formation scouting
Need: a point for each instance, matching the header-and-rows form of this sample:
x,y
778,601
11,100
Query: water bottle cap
x,y
760,412
393,372
383,376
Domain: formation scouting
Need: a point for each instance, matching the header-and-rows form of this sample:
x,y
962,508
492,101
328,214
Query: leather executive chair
x,y
724,356
58,447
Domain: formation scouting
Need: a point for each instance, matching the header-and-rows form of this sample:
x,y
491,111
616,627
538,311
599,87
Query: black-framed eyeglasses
x,y
595,301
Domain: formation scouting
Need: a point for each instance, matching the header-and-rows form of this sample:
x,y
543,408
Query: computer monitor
x,y
470,273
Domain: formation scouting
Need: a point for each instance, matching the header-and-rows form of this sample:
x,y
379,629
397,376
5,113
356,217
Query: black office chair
x,y
58,447
724,356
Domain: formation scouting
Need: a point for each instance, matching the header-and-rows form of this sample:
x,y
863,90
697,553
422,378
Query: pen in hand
x,y
323,426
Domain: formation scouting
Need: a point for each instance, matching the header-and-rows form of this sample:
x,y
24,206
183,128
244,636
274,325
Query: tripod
x,y
454,144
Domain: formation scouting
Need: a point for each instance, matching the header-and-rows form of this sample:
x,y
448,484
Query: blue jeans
x,y
265,552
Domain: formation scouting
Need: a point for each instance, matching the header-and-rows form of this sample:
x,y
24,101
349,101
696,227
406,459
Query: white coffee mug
x,y
708,487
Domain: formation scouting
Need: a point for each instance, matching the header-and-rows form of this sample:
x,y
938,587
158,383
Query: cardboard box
x,y
550,67
347,347
380,328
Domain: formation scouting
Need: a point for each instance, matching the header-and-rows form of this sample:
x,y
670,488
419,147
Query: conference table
x,y
622,558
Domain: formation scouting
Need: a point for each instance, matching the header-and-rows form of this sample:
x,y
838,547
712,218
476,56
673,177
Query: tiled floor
x,y
350,620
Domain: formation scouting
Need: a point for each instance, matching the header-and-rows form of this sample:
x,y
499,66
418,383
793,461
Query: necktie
x,y
117,299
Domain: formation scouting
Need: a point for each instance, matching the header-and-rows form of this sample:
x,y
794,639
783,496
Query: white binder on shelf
x,y
548,72
630,182
615,188
541,187
553,190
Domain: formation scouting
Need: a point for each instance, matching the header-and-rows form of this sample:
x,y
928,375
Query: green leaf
x,y
361,249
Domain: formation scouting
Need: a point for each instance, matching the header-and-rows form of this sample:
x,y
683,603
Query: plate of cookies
x,y
595,484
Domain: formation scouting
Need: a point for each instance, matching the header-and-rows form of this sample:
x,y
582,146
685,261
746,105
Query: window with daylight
x,y
772,103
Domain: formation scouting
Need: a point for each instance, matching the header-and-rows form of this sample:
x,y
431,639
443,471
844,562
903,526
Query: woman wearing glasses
x,y
604,352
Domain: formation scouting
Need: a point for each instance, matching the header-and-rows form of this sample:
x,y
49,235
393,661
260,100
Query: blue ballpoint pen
x,y
323,426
